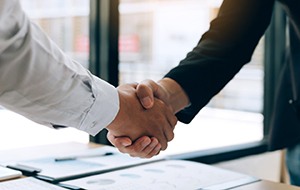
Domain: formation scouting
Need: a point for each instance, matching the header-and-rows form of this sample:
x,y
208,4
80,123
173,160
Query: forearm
x,y
222,51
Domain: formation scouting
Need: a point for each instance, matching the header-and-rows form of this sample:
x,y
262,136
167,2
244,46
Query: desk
x,y
65,148
266,185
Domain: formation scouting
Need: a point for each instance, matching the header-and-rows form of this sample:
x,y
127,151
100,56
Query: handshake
x,y
145,122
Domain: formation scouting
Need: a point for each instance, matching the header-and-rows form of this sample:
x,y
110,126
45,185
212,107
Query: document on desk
x,y
80,164
6,173
168,175
28,183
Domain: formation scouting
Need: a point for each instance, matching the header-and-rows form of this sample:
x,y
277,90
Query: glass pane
x,y
67,23
155,35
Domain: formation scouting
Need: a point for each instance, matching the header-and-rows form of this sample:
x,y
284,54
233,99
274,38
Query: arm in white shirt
x,y
40,82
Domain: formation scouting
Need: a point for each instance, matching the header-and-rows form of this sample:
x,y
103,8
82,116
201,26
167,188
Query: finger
x,y
172,119
135,150
163,129
148,149
118,141
133,84
164,143
121,142
128,85
169,133
155,150
158,149
111,138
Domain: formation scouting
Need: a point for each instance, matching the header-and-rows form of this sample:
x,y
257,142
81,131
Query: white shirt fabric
x,y
42,83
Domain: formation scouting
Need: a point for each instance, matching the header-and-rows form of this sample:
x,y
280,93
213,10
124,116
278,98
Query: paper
x,y
168,175
28,183
6,173
71,169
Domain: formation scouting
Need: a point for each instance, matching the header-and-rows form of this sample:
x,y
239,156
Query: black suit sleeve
x,y
221,52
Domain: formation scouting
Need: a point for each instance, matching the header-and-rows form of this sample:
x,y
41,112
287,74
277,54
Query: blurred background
x,y
154,36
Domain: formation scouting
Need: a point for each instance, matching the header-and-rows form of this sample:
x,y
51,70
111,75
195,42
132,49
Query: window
x,y
155,35
67,23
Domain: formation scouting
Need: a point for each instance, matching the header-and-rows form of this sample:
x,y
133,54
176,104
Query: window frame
x,y
104,54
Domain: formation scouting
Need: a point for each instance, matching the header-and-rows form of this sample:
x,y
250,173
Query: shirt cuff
x,y
104,109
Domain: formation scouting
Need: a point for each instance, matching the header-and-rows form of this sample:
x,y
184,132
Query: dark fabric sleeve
x,y
221,52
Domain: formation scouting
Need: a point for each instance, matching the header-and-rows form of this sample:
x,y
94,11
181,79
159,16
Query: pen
x,y
82,156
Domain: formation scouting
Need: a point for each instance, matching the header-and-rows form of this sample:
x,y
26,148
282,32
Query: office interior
x,y
125,41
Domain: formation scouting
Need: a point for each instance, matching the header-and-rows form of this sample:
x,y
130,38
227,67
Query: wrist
x,y
119,119
176,96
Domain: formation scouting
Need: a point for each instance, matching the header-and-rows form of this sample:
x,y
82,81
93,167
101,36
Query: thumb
x,y
119,141
145,92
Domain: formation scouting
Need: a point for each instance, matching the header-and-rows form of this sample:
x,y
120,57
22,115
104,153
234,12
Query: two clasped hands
x,y
145,122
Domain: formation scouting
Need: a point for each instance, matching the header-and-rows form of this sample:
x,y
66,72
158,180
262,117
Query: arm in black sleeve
x,y
222,51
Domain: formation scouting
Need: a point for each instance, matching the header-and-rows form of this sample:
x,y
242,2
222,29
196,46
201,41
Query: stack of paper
x,y
6,173
106,168
89,162
28,184
167,175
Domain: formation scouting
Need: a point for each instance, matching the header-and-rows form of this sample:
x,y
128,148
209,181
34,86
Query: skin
x,y
167,90
134,121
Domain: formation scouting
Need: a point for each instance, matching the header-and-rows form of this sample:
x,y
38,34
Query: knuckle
x,y
133,155
142,88
171,137
136,149
149,156
164,146
154,141
175,121
122,150
158,148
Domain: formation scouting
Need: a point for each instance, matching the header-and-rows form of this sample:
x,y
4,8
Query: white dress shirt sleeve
x,y
42,83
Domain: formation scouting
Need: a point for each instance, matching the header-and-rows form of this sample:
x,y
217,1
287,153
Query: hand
x,y
143,147
134,121
167,90
147,90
